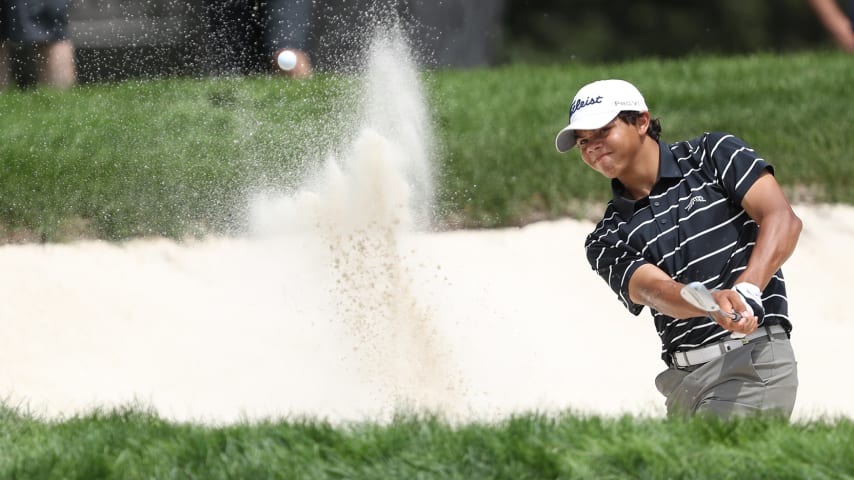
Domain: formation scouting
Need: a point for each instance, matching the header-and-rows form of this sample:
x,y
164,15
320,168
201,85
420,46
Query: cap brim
x,y
565,139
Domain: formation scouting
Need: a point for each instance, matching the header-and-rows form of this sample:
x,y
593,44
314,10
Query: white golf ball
x,y
287,60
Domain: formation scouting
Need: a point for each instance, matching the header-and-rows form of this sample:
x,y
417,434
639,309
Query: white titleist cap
x,y
595,105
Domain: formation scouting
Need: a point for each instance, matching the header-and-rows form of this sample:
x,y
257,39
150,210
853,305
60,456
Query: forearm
x,y
835,21
663,295
652,287
778,236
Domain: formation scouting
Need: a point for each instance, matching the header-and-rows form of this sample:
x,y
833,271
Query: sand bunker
x,y
476,324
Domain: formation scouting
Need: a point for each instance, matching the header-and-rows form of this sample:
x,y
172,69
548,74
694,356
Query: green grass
x,y
169,157
133,443
179,157
499,127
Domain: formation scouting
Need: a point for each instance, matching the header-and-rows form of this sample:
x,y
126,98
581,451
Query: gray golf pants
x,y
760,377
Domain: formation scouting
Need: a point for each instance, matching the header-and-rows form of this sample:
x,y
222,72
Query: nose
x,y
592,144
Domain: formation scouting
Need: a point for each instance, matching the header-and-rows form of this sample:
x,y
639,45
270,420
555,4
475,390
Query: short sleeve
x,y
733,164
614,261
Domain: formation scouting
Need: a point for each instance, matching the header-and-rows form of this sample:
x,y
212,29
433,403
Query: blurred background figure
x,y
121,39
34,44
840,26
244,35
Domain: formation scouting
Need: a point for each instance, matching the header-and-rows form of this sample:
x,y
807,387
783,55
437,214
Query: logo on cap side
x,y
579,104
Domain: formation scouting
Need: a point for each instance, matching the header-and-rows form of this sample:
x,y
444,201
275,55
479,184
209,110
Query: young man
x,y
706,210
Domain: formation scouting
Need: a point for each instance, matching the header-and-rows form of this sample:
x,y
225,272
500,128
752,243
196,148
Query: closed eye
x,y
596,135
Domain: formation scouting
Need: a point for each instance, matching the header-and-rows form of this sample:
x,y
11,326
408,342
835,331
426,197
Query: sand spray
x,y
368,198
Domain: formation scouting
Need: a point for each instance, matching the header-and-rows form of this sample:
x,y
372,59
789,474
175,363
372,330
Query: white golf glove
x,y
752,297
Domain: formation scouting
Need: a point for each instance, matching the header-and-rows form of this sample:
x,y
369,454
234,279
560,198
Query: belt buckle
x,y
738,336
675,358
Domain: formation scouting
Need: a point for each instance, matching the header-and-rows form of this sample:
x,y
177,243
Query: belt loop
x,y
768,332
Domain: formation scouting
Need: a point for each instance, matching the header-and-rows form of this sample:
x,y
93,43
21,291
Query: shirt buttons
x,y
655,204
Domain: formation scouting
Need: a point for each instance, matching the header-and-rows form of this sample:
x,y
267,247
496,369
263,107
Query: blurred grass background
x,y
180,157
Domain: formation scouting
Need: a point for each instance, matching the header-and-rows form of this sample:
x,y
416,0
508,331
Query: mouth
x,y
599,158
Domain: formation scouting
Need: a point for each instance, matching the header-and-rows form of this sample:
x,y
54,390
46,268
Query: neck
x,y
640,179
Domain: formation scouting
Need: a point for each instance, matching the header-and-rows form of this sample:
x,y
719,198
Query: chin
x,y
609,173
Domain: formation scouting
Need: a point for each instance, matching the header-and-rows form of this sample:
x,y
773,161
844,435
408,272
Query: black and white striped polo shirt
x,y
691,226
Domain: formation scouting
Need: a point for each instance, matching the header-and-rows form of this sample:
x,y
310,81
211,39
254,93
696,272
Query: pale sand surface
x,y
476,324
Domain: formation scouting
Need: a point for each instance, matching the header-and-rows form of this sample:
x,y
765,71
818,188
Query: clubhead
x,y
699,296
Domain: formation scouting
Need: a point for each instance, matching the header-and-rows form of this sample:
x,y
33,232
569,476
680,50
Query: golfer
x,y
707,210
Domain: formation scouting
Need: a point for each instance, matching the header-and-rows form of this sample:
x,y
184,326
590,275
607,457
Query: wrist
x,y
749,288
751,295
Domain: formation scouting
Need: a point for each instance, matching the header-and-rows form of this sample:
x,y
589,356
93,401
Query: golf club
x,y
699,296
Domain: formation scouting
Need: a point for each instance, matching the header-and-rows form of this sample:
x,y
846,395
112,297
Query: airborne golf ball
x,y
287,60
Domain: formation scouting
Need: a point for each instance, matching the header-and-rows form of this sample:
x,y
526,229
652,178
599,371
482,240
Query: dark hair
x,y
631,117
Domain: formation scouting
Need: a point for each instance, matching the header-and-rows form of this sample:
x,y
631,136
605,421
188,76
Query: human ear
x,y
643,123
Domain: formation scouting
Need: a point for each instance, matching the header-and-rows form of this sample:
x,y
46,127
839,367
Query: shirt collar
x,y
668,167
